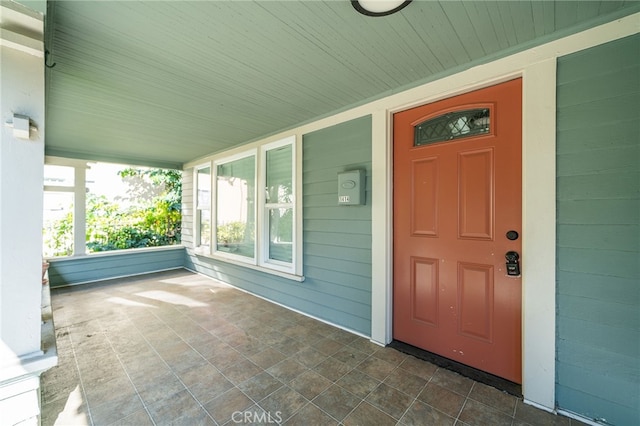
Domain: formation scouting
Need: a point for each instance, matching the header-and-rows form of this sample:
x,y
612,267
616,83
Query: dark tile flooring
x,y
179,348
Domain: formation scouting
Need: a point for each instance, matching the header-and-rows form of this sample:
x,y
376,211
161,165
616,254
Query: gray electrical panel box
x,y
351,187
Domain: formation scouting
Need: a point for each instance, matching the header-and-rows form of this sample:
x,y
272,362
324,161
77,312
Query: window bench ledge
x,y
114,253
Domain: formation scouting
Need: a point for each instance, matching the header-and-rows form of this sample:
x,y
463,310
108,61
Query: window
x,y
58,224
62,213
255,212
203,207
95,207
278,205
235,206
453,125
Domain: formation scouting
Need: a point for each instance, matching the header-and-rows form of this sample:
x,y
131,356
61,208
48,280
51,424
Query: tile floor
x,y
178,348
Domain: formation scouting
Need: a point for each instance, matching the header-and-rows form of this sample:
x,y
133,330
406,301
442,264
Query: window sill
x,y
286,275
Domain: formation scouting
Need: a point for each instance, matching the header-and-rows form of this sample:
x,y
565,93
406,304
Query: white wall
x,y
21,175
21,179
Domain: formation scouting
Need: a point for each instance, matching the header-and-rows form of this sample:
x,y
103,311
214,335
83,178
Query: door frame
x,y
538,211
499,146
537,68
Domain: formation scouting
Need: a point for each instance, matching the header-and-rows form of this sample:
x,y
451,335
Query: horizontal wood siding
x,y
337,239
598,235
78,270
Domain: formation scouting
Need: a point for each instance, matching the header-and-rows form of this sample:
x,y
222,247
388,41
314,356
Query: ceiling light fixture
x,y
379,7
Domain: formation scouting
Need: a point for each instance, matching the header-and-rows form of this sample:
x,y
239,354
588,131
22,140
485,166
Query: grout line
x,y
333,382
309,401
363,399
415,398
127,373
173,372
464,404
515,408
256,403
82,388
419,392
245,357
239,304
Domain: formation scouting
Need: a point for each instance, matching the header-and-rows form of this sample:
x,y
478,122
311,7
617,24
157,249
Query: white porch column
x,y
22,357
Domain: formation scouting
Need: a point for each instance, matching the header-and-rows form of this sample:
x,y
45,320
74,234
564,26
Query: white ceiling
x,y
164,82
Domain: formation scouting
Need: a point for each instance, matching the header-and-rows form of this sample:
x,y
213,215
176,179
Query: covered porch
x,y
181,348
199,86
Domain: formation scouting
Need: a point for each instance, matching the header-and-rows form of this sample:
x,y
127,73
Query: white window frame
x,y
260,261
214,207
197,236
79,191
264,207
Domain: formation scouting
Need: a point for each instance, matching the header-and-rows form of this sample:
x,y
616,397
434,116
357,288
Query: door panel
x,y
424,200
475,292
424,290
475,191
457,192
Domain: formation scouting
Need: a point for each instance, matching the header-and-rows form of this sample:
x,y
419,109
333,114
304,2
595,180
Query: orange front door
x,y
457,212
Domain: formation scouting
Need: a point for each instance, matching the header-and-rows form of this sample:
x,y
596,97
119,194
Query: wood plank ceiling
x,y
163,83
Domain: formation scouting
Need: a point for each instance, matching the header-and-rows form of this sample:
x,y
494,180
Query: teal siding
x,y
78,270
598,234
337,240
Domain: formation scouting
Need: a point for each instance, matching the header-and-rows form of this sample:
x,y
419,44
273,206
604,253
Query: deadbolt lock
x,y
513,264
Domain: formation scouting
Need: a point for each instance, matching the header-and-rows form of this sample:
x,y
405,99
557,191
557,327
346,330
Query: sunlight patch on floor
x,y
74,412
127,302
175,299
195,281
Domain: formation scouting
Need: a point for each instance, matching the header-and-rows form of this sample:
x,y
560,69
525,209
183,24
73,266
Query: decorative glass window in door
x,y
453,125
